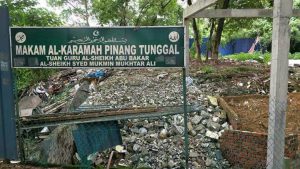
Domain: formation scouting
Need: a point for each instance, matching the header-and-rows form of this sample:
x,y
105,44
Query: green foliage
x,y
28,77
116,12
208,69
260,57
228,72
137,13
248,28
25,13
253,27
295,56
82,9
237,70
158,12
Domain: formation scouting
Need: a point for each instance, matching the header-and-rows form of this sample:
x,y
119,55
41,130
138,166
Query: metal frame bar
x,y
239,13
186,136
197,7
175,110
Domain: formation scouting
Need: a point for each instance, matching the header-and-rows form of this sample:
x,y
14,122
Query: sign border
x,y
117,27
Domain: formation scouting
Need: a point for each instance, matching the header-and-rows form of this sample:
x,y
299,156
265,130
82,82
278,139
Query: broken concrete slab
x,y
27,104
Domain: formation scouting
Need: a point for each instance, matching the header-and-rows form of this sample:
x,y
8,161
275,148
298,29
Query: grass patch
x,y
295,56
257,56
28,77
239,70
207,69
260,57
219,74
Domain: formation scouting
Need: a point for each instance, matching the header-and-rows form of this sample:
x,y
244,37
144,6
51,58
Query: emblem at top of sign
x,y
174,36
20,37
96,33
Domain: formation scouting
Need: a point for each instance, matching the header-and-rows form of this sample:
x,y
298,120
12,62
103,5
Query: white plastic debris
x,y
189,81
45,130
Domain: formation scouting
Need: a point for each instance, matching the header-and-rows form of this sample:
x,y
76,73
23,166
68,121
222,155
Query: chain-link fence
x,y
135,143
136,125
253,142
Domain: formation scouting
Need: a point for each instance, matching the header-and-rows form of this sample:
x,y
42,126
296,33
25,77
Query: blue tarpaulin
x,y
232,47
98,74
96,137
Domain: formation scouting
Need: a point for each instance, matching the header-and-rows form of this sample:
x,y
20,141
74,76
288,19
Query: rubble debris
x,y
55,107
45,130
59,147
146,140
27,104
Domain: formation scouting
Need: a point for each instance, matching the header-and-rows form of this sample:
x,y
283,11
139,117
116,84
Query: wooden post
x,y
187,45
279,83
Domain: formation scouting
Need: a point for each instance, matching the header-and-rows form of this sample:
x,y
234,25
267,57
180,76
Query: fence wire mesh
x,y
226,132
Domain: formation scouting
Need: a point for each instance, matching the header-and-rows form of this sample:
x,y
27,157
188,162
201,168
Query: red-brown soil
x,y
253,113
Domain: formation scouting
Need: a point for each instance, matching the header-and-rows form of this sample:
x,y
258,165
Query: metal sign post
x,y
8,144
186,136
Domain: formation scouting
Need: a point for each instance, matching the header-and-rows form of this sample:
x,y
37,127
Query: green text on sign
x,y
98,47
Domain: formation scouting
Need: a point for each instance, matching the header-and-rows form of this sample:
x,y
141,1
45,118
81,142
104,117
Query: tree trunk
x,y
209,45
217,38
123,21
196,36
86,13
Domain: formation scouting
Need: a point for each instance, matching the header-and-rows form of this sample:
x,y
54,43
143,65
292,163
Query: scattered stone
x,y
119,148
241,84
212,135
225,125
205,115
204,122
219,155
205,145
136,147
143,131
193,132
171,164
196,119
200,127
163,134
196,165
178,120
193,154
162,76
221,132
190,126
213,126
210,110
179,129
213,100
216,119
208,162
